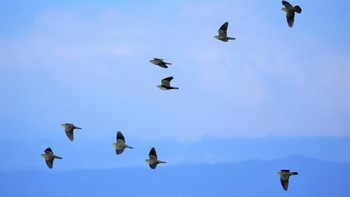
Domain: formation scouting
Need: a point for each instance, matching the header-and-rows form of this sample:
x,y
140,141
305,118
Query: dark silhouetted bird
x,y
69,128
153,159
223,33
166,84
284,177
160,62
49,157
120,144
290,12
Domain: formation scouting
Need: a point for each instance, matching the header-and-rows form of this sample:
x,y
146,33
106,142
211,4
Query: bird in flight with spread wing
x,y
284,177
49,157
120,144
223,33
290,12
69,128
153,159
166,84
160,62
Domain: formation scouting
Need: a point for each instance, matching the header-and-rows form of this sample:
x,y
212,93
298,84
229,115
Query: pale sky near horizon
x,y
87,63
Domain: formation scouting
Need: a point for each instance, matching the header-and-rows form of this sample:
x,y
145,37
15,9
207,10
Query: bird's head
x,y
159,86
216,37
62,125
147,160
284,9
114,144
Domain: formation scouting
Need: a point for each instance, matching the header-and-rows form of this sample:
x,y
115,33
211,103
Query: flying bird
x,y
223,33
160,62
290,12
284,177
120,145
49,157
166,84
153,159
69,128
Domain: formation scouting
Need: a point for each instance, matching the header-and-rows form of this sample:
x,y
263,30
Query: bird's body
x,y
160,62
166,84
284,177
290,12
49,157
120,144
153,159
223,33
69,128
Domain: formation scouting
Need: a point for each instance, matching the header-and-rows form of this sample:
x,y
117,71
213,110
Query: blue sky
x,y
87,63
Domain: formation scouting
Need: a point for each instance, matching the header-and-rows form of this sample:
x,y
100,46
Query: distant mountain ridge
x,y
246,178
102,154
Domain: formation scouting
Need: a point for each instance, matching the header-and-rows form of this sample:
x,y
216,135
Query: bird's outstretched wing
x,y
166,81
120,136
119,151
285,182
223,30
48,151
290,18
69,132
287,4
153,153
49,162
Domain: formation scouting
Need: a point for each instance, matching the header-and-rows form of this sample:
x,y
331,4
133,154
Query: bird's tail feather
x,y
230,38
294,173
161,161
57,157
76,127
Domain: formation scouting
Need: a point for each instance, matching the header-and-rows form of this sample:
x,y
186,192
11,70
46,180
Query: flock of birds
x,y
153,161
